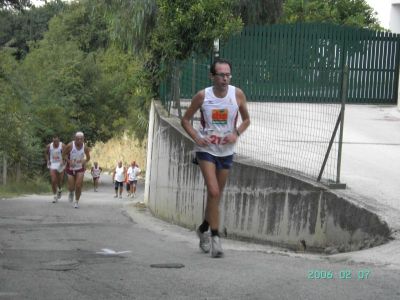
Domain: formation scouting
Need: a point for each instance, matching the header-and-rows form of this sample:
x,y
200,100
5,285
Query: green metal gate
x,y
304,63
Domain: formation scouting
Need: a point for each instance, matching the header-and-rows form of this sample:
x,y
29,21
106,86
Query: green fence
x,y
293,76
304,63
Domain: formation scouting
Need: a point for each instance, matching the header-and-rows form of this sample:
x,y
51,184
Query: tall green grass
x,y
37,185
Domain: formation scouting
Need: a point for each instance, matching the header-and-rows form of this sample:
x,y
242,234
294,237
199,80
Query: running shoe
x,y
76,204
216,249
71,197
55,199
120,196
204,243
59,194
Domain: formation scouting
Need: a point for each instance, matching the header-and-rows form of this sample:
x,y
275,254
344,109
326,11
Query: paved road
x,y
49,251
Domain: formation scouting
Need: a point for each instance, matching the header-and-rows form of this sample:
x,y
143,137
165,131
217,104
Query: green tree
x,y
259,11
186,27
122,94
15,4
130,22
345,12
80,24
77,82
17,139
18,28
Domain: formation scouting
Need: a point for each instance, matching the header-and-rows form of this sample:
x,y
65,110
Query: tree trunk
x,y
4,169
18,172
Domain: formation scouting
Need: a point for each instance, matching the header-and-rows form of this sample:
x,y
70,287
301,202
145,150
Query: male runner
x,y
133,173
119,176
219,106
53,155
96,171
76,154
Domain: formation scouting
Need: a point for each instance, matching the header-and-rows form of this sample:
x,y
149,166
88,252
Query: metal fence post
x,y
339,122
342,110
193,80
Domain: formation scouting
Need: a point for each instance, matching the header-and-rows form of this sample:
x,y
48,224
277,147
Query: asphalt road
x,y
53,251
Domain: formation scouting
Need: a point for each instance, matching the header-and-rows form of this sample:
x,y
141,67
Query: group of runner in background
x,y
128,176
72,159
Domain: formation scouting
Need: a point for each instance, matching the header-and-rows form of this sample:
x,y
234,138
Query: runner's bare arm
x,y
113,176
87,158
244,113
195,105
66,151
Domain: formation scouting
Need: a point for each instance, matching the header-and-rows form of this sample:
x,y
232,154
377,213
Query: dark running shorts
x,y
118,184
221,162
73,172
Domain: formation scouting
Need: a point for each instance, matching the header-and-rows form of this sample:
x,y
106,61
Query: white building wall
x,y
388,13
394,23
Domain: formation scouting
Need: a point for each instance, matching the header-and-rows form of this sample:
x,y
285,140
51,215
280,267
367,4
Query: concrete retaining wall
x,y
260,203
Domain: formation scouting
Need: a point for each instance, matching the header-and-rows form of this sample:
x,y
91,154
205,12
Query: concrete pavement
x,y
50,251
371,159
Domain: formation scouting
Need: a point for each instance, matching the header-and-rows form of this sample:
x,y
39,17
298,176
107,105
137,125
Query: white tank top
x,y
218,119
119,174
132,173
96,172
76,157
55,156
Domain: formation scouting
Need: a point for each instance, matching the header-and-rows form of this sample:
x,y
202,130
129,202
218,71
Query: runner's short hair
x,y
79,134
219,61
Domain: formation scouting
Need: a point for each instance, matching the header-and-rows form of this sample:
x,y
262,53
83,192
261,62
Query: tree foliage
x,y
189,26
131,22
77,82
260,11
93,65
345,12
15,4
17,29
17,138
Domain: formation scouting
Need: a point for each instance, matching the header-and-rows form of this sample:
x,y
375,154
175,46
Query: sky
x,y
41,2
382,7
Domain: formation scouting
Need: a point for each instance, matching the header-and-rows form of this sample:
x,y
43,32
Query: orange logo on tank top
x,y
219,116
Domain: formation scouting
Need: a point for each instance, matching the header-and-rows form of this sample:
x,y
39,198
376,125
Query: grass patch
x,y
38,185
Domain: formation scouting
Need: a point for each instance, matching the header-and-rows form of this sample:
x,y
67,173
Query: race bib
x,y
56,157
219,116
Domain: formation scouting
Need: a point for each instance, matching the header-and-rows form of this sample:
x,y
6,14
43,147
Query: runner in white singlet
x,y
218,120
76,154
133,173
119,179
53,155
215,141
96,171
